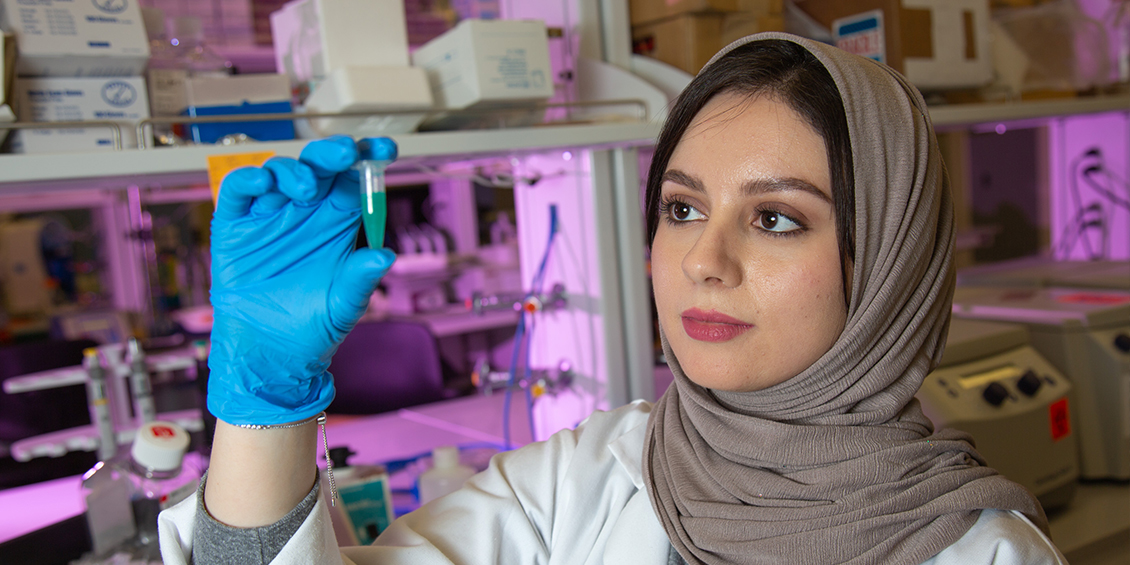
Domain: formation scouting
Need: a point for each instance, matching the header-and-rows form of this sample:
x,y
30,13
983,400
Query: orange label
x,y
1059,419
220,165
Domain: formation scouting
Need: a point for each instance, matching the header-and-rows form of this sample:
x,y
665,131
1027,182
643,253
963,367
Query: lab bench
x,y
32,516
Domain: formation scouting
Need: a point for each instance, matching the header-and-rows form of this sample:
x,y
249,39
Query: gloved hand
x,y
287,284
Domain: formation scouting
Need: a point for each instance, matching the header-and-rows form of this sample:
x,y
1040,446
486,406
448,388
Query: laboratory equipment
x,y
366,507
1045,272
375,154
1085,334
159,477
446,476
993,385
99,398
144,410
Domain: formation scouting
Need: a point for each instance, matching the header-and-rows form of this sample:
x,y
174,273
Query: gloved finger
x,y
327,158
294,179
239,190
355,282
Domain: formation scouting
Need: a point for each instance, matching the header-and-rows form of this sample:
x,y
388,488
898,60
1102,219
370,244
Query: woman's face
x,y
745,261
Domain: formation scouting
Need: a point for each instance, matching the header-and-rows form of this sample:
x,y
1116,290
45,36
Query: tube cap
x,y
377,149
445,457
160,446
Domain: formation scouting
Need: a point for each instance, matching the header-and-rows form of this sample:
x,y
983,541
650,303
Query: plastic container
x,y
159,476
446,476
125,494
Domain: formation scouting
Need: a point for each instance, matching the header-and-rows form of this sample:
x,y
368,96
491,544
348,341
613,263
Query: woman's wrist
x,y
257,476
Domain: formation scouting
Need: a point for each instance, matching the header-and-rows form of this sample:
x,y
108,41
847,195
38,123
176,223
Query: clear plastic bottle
x,y
447,474
159,477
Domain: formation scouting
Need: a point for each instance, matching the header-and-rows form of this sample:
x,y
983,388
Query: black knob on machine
x,y
995,394
1029,383
1122,342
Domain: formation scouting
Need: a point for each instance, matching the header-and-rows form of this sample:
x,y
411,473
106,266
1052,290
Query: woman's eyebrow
x,y
757,186
679,177
761,186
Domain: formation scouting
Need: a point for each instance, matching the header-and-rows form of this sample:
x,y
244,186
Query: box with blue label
x,y
117,99
937,44
85,38
240,95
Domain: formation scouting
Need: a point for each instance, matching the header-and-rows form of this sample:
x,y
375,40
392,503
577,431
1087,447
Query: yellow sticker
x,y
220,165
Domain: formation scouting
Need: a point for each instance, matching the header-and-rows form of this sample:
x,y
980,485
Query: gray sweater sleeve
x,y
215,542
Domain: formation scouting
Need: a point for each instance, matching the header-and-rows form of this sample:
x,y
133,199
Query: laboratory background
x,y
520,300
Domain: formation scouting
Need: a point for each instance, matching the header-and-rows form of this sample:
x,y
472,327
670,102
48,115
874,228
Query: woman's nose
x,y
710,260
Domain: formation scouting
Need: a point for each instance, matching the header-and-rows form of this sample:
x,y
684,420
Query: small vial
x,y
375,155
98,400
143,406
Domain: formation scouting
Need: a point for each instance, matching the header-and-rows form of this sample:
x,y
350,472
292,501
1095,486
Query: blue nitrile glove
x,y
287,284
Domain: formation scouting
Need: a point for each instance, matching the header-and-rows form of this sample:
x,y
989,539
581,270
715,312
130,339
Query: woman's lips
x,y
712,326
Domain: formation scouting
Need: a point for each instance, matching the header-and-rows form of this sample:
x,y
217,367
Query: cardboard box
x,y
648,11
687,42
937,44
121,100
65,38
239,95
488,62
314,38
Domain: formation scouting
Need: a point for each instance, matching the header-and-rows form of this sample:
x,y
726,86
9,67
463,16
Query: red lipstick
x,y
712,326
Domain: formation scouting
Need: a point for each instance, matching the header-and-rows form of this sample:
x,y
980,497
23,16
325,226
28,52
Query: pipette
x,y
375,155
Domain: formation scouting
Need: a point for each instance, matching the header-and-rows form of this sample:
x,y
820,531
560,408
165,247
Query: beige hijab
x,y
838,464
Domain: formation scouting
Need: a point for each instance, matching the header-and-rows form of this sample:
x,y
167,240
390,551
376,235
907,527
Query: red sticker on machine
x,y
1059,419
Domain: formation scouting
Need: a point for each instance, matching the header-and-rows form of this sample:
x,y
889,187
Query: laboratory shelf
x,y
173,166
955,116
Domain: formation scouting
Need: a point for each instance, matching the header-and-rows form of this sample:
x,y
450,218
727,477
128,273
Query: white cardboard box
x,y
77,38
488,61
314,38
370,89
121,100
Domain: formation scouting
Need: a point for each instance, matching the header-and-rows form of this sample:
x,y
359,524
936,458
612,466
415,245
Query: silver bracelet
x,y
321,420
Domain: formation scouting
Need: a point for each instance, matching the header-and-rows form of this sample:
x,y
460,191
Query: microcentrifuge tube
x,y
375,155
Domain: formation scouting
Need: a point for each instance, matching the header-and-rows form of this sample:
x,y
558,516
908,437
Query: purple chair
x,y
384,366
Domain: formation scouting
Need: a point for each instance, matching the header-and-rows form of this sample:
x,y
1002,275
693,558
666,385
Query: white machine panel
x,y
1014,403
1085,334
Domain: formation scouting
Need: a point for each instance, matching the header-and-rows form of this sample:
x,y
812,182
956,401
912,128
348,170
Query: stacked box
x,y
937,44
687,33
78,61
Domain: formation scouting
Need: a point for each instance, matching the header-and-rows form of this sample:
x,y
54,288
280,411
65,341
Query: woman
x,y
802,243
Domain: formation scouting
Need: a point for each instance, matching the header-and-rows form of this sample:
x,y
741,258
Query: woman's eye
x,y
776,222
682,212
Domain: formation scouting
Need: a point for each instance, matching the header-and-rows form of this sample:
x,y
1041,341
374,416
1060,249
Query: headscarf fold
x,y
839,464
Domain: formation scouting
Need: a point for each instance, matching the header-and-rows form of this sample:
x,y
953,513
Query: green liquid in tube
x,y
374,219
374,202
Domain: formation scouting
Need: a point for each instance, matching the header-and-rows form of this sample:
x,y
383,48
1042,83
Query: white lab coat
x,y
577,498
